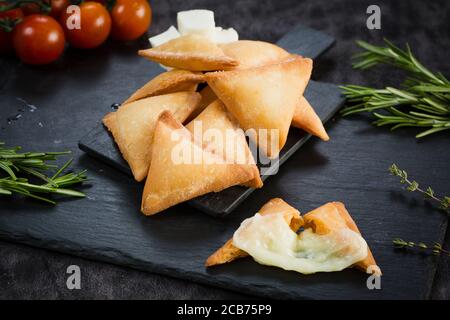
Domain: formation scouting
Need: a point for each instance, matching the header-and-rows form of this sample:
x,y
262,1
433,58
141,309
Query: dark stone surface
x,y
27,272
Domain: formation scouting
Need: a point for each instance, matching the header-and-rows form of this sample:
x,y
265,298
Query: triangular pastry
x,y
332,216
306,118
168,82
329,241
228,252
133,125
190,52
182,170
208,96
251,54
264,98
217,129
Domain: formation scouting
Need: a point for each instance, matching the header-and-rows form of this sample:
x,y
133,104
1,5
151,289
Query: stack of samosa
x,y
251,85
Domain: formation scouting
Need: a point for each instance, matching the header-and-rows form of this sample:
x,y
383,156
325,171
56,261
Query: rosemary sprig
x,y
422,101
413,186
436,248
13,163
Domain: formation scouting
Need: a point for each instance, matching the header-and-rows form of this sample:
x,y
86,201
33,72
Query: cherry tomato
x,y
95,25
38,39
130,19
6,37
58,7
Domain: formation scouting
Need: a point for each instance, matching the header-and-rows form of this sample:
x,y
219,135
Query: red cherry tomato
x,y
95,25
6,37
130,19
58,7
38,39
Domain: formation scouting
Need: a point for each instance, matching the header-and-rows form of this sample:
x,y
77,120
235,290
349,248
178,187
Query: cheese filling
x,y
270,241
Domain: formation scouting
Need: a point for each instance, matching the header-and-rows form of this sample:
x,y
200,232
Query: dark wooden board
x,y
107,226
325,98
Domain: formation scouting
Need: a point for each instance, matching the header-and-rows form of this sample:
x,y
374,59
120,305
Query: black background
x,y
34,273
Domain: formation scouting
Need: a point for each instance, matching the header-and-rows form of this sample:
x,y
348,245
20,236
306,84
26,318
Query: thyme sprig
x,y
414,186
436,248
15,163
423,100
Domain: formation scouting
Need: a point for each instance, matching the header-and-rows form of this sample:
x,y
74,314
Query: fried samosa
x,y
306,118
168,82
217,129
251,54
228,252
181,169
208,96
190,52
333,216
133,125
264,98
329,241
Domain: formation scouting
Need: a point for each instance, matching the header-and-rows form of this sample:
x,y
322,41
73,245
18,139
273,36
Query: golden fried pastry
x,y
181,170
217,129
264,98
168,82
251,54
190,52
306,118
333,216
329,242
133,125
208,96
228,252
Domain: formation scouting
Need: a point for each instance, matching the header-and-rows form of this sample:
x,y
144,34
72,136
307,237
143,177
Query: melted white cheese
x,y
270,241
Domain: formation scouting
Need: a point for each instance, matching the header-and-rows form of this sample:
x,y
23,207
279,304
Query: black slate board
x,y
107,225
325,98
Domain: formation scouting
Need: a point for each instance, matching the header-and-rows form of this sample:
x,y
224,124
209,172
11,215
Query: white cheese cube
x,y
199,22
169,34
226,35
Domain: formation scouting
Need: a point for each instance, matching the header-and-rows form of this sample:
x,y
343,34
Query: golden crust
x,y
168,82
190,52
322,220
170,182
216,116
133,125
334,215
208,97
306,118
251,54
264,97
228,252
